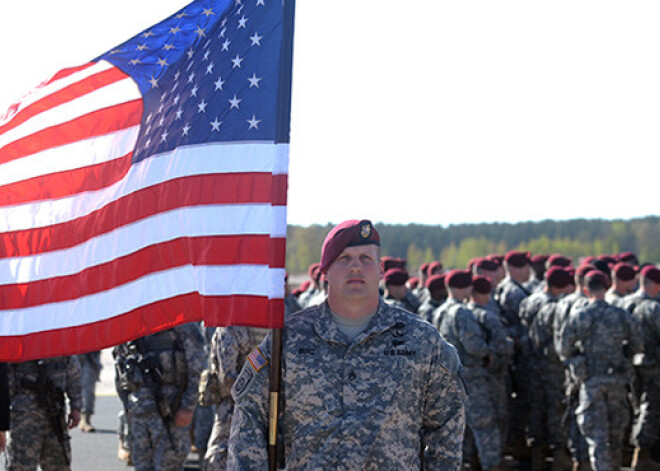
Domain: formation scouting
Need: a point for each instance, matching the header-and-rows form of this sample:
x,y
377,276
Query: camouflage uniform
x,y
459,327
32,437
498,370
593,344
406,303
615,298
646,310
425,311
179,352
374,403
229,349
576,442
90,366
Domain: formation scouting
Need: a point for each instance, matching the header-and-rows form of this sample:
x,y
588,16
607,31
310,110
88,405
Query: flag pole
x,y
283,121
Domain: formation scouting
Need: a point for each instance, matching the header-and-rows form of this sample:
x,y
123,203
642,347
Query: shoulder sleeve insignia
x,y
257,359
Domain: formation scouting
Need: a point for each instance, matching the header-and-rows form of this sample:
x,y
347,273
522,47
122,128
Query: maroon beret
x,y
538,259
597,276
458,279
482,284
434,266
413,282
652,273
607,258
558,277
435,281
629,257
347,234
558,260
396,277
313,271
584,269
305,285
517,259
588,260
423,267
486,264
624,271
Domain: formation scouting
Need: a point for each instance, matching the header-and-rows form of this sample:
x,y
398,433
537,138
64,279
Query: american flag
x,y
147,188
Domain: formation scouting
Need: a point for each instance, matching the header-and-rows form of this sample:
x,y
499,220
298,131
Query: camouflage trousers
x,y
481,420
647,426
152,449
32,442
602,416
89,375
547,406
216,454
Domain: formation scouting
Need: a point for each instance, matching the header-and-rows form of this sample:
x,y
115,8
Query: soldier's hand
x,y
183,418
3,441
74,418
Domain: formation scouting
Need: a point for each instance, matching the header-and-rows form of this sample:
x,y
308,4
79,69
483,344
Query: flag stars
x,y
163,137
254,80
223,31
219,83
142,47
193,92
209,69
182,15
190,53
256,39
225,45
168,47
154,82
176,99
233,103
191,77
175,30
215,125
178,114
136,62
254,123
185,129
236,61
200,32
206,56
162,62
147,34
260,2
208,12
241,22
202,107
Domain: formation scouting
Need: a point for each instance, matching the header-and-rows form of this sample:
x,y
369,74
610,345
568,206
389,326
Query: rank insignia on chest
x,y
257,359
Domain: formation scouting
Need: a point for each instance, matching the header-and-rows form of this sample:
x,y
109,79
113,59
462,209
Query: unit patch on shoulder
x,y
257,359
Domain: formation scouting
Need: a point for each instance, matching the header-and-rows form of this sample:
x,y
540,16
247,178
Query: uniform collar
x,y
328,330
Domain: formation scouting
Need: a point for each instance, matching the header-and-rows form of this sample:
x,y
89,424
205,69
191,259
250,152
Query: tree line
x,y
455,245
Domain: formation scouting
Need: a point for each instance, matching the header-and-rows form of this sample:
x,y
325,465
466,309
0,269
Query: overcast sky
x,y
428,111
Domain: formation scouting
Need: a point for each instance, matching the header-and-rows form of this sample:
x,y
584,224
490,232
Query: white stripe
x,y
185,161
110,95
71,156
193,221
41,93
256,280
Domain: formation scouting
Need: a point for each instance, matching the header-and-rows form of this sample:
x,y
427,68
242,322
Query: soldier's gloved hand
x,y
74,418
183,418
3,441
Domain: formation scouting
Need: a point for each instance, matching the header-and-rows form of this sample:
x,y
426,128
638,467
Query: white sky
x,y
429,111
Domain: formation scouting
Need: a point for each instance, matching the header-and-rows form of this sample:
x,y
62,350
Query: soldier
x,y
538,272
229,350
90,366
435,285
159,374
645,307
547,377
496,336
593,345
396,291
367,386
314,288
39,421
508,296
624,280
458,326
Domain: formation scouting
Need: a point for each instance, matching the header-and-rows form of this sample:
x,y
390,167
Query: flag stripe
x,y
212,250
96,123
199,221
242,310
184,162
222,189
70,157
65,95
252,280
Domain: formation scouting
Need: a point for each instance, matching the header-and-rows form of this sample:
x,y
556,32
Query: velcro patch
x,y
257,359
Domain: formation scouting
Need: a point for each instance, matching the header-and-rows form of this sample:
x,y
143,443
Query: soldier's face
x,y
354,275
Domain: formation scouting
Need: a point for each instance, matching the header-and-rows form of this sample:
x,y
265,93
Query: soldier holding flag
x,y
366,385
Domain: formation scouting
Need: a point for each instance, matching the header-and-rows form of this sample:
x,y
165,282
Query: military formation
x,y
516,361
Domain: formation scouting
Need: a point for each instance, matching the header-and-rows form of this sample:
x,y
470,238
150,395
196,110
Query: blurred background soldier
x,y
437,290
645,307
39,421
90,366
229,349
160,375
396,292
593,345
537,263
624,280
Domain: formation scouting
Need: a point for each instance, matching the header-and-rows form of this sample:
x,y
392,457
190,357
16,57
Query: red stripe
x,y
280,187
96,123
217,250
220,310
66,183
71,70
71,92
187,191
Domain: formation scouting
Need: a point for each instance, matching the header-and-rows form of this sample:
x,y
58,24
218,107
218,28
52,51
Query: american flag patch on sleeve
x,y
257,359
